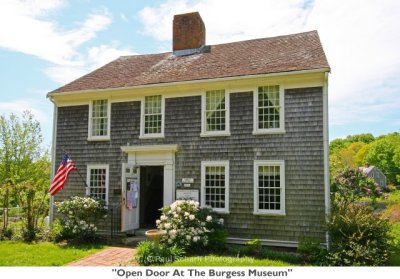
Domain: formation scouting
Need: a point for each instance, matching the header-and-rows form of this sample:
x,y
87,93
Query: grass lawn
x,y
43,254
391,211
213,260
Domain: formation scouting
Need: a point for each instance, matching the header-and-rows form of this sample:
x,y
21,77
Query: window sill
x,y
269,213
269,132
222,134
99,139
155,136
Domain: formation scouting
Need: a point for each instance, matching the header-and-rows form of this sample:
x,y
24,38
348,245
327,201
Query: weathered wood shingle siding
x,y
301,147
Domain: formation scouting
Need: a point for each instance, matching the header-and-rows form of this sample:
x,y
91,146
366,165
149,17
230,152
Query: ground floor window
x,y
97,182
215,185
269,187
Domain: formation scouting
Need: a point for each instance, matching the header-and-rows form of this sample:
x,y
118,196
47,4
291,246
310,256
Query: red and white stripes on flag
x,y
61,176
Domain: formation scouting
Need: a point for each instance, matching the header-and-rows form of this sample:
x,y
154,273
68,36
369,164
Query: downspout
x,y
53,156
326,154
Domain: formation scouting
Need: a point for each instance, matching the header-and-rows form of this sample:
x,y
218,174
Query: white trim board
x,y
299,79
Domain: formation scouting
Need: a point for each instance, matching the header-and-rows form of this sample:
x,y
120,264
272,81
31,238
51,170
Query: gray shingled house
x,y
376,174
241,127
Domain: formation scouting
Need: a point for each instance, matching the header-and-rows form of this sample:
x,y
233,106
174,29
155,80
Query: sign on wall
x,y
183,194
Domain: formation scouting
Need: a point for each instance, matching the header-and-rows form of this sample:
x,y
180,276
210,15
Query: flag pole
x,y
84,181
80,175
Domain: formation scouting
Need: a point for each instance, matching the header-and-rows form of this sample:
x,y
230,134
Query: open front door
x,y
130,197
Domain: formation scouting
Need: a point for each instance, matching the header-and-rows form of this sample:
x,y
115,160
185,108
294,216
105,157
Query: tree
x,y
345,157
384,154
24,165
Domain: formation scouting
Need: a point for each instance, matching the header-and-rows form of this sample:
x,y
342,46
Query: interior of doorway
x,y
151,195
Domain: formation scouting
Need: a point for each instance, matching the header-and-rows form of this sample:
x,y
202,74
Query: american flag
x,y
59,180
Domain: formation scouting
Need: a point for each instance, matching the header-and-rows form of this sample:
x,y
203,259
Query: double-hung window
x,y
152,124
99,120
215,113
269,109
97,182
215,185
269,187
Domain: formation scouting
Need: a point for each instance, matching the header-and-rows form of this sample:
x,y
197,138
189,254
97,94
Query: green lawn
x,y
213,260
43,254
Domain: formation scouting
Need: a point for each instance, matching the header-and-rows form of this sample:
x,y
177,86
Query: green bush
x,y
352,184
253,247
58,232
359,237
310,251
6,233
216,233
149,253
80,217
190,227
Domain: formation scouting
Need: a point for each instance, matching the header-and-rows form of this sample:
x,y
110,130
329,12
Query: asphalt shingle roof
x,y
288,53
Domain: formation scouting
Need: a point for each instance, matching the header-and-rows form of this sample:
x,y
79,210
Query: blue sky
x,y
47,43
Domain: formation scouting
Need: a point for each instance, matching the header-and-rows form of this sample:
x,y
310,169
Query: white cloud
x,y
21,105
95,58
226,20
360,38
35,34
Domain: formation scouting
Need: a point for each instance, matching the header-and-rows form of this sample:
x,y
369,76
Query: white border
x,y
281,164
225,133
281,129
99,138
152,136
225,164
97,166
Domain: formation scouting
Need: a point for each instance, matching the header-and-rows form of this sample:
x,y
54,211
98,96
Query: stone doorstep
x,y
133,240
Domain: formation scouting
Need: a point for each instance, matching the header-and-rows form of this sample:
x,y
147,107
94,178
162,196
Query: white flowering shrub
x,y
80,216
188,225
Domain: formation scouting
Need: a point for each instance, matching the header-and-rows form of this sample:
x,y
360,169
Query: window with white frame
x,y
152,116
99,122
269,187
215,185
268,109
215,114
97,182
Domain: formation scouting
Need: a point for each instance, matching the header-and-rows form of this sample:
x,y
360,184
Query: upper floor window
x,y
269,109
97,181
269,187
152,116
215,185
99,120
215,113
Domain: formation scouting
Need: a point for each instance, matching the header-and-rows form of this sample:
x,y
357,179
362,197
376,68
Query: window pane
x,y
268,107
269,187
215,110
152,114
97,183
99,118
215,186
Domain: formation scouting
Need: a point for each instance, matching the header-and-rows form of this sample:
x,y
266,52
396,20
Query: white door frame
x,y
156,155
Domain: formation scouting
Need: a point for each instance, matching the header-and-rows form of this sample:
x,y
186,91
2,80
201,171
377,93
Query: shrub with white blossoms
x,y
188,225
80,216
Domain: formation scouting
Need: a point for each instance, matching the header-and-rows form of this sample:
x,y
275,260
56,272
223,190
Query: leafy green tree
x,y
345,157
338,144
24,166
365,138
384,154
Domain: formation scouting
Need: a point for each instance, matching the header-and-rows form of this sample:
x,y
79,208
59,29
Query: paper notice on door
x,y
132,195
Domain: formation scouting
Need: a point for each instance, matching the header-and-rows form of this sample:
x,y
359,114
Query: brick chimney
x,y
189,33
